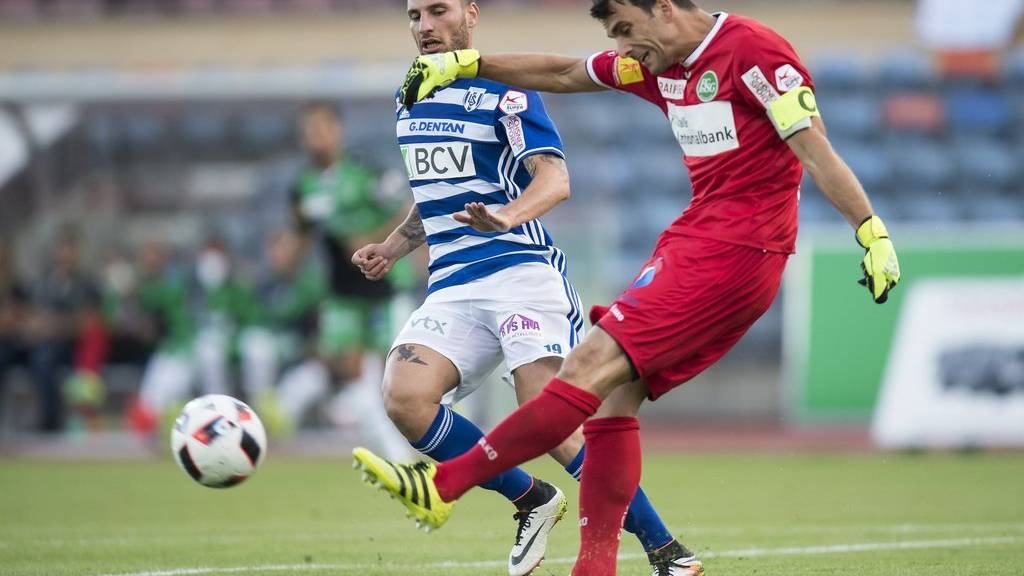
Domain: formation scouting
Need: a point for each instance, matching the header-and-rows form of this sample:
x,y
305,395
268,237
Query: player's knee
x,y
578,367
597,365
409,409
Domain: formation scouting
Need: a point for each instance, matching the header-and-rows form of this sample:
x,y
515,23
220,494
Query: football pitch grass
x,y
857,515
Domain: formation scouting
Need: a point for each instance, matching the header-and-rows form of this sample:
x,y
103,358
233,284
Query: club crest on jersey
x,y
513,102
474,97
707,86
787,78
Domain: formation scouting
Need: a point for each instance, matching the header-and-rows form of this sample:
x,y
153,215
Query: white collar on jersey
x,y
721,16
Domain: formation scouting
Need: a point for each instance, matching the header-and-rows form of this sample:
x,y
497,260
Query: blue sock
x,y
450,435
641,518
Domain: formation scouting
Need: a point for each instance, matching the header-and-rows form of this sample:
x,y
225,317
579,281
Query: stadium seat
x,y
917,205
204,128
659,170
145,131
914,111
905,68
839,72
593,173
1013,67
922,164
992,207
100,132
815,208
978,112
262,130
858,117
869,162
985,165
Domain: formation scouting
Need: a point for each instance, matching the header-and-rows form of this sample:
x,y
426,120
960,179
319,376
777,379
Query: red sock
x,y
611,474
532,430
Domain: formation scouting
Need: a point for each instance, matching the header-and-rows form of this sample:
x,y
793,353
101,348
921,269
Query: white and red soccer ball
x,y
218,440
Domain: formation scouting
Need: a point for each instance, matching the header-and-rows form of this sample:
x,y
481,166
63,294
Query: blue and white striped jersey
x,y
467,144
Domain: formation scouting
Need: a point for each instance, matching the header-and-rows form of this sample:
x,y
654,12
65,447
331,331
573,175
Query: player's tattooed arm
x,y
376,260
556,162
412,230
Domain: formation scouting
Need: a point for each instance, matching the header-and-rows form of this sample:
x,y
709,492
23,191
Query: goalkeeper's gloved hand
x,y
432,72
880,266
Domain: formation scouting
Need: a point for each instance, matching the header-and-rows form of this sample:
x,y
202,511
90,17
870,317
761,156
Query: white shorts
x,y
521,314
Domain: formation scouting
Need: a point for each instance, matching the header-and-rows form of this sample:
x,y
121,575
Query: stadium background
x,y
147,120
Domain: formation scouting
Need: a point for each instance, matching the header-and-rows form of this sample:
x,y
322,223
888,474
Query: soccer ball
x,y
218,440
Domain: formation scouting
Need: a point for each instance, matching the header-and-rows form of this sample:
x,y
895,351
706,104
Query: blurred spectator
x,y
284,337
347,204
66,314
223,304
14,301
169,373
968,41
132,328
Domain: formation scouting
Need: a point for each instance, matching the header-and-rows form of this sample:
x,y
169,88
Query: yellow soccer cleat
x,y
411,484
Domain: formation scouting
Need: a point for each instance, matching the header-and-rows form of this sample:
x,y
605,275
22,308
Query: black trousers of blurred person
x,y
48,360
13,353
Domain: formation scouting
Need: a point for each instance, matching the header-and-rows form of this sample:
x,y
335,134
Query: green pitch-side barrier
x,y
837,340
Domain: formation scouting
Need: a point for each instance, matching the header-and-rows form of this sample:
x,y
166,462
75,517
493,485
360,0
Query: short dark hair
x,y
602,9
322,107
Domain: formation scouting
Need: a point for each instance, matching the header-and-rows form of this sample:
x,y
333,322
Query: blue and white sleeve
x,y
525,126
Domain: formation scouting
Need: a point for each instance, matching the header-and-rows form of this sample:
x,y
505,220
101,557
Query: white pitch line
x,y
242,538
739,553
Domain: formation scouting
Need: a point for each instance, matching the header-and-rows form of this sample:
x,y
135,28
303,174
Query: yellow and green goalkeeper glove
x,y
432,72
880,266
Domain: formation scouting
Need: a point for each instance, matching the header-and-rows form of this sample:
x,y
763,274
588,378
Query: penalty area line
x,y
738,553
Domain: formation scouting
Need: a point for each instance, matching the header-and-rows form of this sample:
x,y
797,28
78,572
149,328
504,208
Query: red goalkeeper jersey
x,y
746,180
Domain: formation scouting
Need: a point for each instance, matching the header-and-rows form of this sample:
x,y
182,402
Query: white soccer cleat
x,y
532,534
679,567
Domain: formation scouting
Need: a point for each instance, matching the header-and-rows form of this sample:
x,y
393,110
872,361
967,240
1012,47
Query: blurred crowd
x,y
106,8
299,334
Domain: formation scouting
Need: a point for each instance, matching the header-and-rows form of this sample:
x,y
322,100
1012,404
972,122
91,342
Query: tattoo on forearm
x,y
533,163
412,228
406,353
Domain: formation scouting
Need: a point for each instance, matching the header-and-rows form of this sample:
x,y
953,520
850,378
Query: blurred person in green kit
x,y
344,204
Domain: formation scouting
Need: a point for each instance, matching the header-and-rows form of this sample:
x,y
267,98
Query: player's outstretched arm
x,y
550,186
376,260
540,72
839,184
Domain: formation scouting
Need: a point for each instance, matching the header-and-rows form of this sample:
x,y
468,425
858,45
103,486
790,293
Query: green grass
x,y
108,518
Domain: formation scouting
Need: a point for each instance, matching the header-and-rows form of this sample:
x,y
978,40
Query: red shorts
x,y
690,304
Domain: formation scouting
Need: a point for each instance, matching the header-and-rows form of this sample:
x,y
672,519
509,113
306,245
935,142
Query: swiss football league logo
x,y
513,102
787,78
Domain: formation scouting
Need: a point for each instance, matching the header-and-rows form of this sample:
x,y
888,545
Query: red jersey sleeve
x,y
616,72
767,68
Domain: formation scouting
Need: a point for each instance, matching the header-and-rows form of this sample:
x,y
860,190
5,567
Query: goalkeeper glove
x,y
432,72
880,266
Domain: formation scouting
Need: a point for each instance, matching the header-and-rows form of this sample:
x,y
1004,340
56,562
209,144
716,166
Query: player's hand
x,y
374,261
479,217
880,266
432,72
